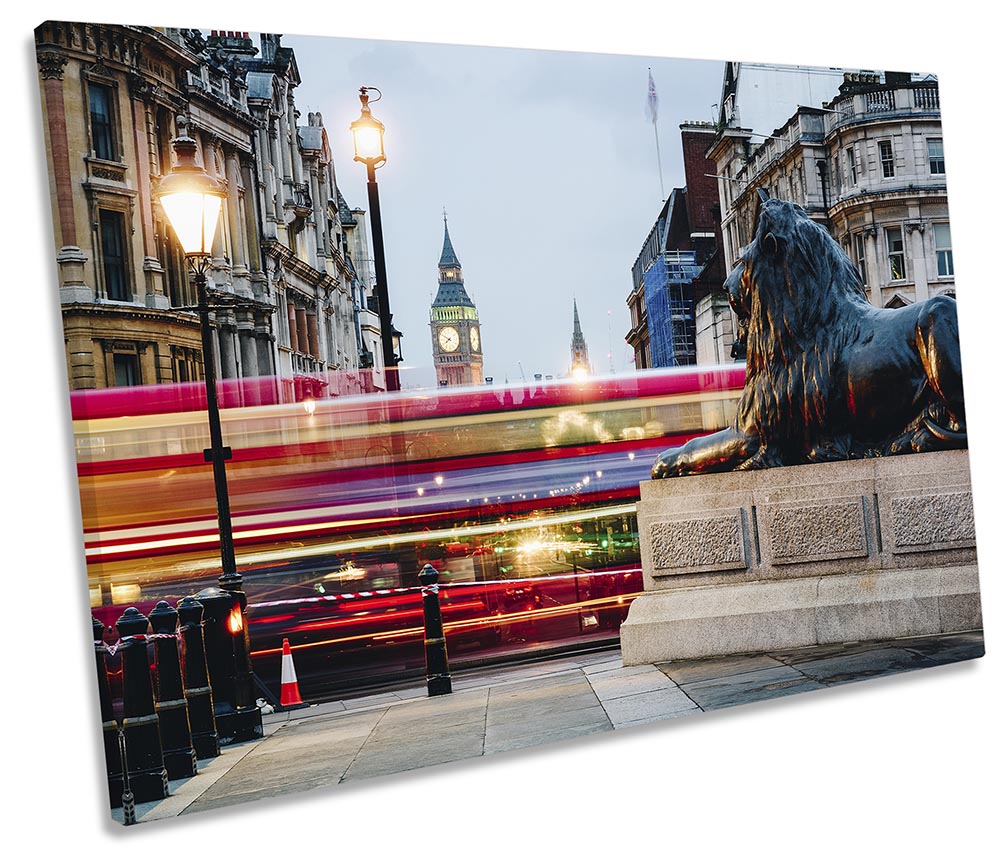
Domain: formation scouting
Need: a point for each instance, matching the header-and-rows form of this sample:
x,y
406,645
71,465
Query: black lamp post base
x,y
239,726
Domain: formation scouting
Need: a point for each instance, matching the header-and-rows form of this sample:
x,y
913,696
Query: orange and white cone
x,y
290,685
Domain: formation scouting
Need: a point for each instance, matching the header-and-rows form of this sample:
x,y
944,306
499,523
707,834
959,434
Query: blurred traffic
x,y
523,498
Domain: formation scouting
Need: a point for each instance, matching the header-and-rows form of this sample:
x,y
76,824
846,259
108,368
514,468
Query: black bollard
x,y
435,653
109,725
197,690
171,706
146,773
237,716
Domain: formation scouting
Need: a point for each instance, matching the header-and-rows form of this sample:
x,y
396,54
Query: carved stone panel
x,y
807,531
932,522
698,544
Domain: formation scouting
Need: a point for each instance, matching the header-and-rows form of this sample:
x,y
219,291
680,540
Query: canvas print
x,y
431,402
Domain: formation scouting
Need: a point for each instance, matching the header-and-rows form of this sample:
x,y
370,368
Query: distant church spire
x,y
579,362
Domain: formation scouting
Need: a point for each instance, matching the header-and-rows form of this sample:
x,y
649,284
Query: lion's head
x,y
796,291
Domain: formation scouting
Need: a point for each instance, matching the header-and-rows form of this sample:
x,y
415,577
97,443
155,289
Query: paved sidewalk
x,y
517,706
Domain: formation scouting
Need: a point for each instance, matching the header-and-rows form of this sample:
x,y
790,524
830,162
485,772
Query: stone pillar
x,y
302,330
286,152
312,336
70,258
293,142
316,226
265,343
248,356
237,223
142,124
293,333
226,334
919,262
266,177
874,273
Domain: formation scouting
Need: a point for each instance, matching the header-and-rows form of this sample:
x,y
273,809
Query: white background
x,y
903,764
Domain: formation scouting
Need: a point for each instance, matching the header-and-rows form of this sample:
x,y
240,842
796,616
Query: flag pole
x,y
656,138
651,106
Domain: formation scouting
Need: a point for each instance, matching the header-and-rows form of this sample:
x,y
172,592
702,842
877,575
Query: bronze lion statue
x,y
829,376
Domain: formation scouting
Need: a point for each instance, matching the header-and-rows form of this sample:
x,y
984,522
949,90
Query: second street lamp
x,y
369,149
192,200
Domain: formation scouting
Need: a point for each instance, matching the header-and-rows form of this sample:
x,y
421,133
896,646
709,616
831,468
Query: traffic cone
x,y
290,685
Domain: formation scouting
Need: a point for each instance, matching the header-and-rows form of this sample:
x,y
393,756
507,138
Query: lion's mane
x,y
803,299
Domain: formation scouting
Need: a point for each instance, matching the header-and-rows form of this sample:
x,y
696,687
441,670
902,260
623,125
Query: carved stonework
x,y
51,64
700,544
817,532
927,522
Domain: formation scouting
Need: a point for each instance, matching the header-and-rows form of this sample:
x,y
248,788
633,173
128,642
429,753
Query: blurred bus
x,y
522,497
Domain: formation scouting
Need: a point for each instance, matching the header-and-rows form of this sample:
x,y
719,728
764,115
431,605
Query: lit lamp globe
x,y
367,131
191,199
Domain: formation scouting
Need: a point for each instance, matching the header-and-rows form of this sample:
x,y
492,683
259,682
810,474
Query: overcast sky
x,y
546,164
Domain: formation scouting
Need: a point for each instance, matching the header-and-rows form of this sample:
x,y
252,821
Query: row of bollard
x,y
170,716
193,697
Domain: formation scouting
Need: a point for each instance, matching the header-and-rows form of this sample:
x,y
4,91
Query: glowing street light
x,y
369,149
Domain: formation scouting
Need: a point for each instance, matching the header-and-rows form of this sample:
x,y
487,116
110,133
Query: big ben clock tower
x,y
455,325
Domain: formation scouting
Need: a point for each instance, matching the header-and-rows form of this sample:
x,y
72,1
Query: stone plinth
x,y
857,550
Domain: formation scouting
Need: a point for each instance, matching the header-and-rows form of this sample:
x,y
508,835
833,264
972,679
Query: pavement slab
x,y
649,706
624,682
745,688
697,670
863,665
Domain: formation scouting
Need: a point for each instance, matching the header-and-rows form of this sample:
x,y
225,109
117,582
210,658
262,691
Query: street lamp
x,y
369,149
192,199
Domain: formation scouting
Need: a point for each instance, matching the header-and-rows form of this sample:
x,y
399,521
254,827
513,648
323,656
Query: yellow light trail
x,y
419,536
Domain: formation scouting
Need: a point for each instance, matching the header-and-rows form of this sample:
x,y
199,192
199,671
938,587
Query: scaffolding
x,y
670,309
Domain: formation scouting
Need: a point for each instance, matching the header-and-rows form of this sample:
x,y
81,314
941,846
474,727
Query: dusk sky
x,y
546,164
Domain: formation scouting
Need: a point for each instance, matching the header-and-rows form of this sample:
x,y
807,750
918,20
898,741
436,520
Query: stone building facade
x,y
869,165
287,297
315,286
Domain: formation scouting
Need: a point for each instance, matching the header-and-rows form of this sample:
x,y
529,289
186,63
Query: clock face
x,y
448,338
474,338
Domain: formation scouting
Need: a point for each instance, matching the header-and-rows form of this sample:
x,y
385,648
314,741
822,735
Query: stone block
x,y
744,562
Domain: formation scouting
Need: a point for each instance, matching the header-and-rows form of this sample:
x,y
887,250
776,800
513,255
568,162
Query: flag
x,y
651,99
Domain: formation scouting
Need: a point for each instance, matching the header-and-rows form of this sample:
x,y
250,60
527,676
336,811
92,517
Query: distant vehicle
x,y
523,497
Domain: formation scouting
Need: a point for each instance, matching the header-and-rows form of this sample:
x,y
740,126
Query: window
x,y
943,249
886,157
860,257
116,282
126,369
101,128
852,166
936,158
895,253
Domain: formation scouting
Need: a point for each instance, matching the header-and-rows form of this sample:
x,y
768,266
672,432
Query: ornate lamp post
x,y
368,131
192,200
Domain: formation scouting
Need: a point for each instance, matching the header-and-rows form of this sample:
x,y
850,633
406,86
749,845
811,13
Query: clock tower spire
x,y
455,324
